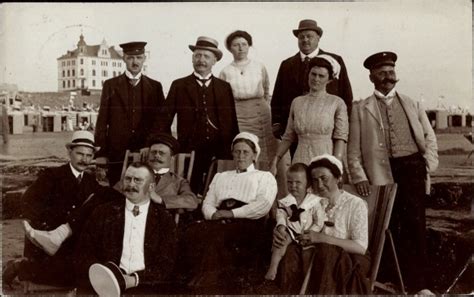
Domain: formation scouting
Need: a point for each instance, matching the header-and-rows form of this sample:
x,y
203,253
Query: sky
x,y
432,38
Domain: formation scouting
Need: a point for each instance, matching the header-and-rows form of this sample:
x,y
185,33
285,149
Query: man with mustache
x,y
205,109
171,190
128,106
129,242
391,141
51,202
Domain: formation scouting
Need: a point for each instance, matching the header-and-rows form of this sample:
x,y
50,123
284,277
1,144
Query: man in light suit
x,y
391,141
128,106
205,109
129,242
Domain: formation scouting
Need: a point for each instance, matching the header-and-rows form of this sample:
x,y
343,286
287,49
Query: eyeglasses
x,y
136,180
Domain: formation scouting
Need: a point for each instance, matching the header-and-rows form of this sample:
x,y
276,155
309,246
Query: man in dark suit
x,y
129,242
205,108
128,106
51,201
292,78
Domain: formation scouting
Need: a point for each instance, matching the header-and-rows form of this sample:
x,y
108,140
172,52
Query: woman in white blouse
x,y
340,265
250,87
234,209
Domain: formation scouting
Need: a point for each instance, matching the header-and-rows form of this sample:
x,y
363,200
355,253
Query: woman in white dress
x,y
250,86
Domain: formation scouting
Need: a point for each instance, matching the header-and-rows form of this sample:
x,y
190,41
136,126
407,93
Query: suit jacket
x,y
52,200
367,157
120,127
102,241
289,85
183,99
176,192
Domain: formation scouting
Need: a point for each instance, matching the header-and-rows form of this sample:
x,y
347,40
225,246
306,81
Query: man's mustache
x,y
131,189
390,80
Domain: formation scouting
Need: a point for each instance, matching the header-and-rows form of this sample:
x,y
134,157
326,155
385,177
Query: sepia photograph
x,y
243,148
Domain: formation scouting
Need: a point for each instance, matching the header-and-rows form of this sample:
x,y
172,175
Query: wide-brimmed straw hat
x,y
82,138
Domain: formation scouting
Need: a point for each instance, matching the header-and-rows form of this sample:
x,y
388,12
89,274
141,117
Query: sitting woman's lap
x,y
334,271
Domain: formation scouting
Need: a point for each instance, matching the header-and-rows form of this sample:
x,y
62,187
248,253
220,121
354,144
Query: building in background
x,y
88,66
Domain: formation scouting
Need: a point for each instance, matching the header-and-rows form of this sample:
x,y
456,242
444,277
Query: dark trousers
x,y
408,222
114,172
202,160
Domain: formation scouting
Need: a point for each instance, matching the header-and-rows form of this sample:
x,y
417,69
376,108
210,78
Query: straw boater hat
x,y
82,138
207,43
308,25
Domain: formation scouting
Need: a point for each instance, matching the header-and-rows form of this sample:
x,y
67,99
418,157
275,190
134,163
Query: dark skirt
x,y
334,270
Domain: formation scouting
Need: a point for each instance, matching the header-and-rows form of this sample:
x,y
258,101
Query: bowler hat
x,y
164,138
133,48
207,43
82,138
380,59
308,25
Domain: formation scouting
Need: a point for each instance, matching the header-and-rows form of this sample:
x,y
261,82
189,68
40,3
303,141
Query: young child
x,y
297,212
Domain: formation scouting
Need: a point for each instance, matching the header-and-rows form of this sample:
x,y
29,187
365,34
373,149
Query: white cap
x,y
249,136
331,159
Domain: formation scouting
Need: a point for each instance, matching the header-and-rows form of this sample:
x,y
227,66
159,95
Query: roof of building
x,y
90,51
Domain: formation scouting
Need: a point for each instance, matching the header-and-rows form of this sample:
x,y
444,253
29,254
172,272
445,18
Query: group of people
x,y
310,118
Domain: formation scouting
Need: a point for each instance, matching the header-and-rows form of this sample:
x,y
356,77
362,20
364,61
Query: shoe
x,y
425,292
10,272
41,239
107,280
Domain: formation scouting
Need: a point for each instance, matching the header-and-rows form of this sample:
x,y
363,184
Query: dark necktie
x,y
136,210
305,74
158,177
133,81
79,179
240,171
295,213
203,81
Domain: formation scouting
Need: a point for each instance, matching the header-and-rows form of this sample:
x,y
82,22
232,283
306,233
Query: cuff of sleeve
x,y
137,279
238,213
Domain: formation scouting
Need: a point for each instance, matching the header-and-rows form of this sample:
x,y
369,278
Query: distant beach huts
x,y
50,121
443,118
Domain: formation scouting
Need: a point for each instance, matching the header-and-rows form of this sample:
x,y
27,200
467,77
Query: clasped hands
x,y
222,215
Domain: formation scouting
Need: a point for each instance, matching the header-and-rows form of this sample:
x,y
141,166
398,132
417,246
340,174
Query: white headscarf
x,y
331,159
249,136
336,68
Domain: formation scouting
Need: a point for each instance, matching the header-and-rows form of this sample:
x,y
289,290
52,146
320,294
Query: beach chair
x,y
380,204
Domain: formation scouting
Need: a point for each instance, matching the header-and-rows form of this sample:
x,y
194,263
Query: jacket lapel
x,y
165,180
409,111
117,231
146,85
151,230
122,87
191,89
372,108
295,67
